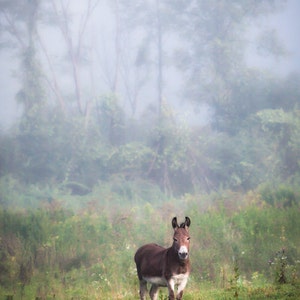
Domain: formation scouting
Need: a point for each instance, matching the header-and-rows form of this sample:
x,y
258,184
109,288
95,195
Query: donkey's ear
x,y
187,222
174,223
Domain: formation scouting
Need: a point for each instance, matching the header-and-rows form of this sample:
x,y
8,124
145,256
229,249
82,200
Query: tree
x,y
74,44
20,25
213,59
283,132
149,22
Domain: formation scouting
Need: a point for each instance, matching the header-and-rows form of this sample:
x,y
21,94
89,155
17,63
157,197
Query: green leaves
x,y
273,117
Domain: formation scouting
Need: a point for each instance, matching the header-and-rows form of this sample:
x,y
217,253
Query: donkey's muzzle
x,y
183,252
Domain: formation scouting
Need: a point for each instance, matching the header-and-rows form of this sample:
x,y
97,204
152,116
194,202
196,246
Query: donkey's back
x,y
149,261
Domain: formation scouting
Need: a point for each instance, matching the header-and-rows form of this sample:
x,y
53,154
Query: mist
x,y
116,116
99,47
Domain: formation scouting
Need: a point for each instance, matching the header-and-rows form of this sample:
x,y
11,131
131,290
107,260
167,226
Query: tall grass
x,y
240,244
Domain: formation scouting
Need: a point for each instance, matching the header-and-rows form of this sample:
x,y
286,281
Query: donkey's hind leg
x,y
143,289
154,292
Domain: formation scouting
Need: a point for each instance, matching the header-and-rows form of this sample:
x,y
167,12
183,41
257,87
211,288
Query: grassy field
x,y
241,248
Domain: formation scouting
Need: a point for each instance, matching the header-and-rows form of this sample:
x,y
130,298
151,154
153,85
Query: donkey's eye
x,y
188,238
175,240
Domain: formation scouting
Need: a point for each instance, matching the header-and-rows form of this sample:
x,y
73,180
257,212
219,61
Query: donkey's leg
x,y
180,288
143,289
179,295
171,288
154,292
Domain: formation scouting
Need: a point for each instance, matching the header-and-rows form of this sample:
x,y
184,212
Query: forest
x,y
131,113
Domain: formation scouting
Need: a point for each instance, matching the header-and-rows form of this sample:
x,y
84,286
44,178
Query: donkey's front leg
x,y
171,288
179,295
181,287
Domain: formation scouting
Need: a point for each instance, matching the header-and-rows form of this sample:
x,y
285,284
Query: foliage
x,y
66,152
253,135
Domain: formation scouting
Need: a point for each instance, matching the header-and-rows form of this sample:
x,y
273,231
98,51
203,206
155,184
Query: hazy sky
x,y
287,23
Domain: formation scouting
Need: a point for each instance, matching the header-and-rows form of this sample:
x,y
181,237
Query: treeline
x,y
55,151
238,242
69,140
82,178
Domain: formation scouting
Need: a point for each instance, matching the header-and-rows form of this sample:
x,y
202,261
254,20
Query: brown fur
x,y
159,265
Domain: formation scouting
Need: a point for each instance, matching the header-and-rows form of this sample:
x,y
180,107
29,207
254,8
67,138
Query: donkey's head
x,y
181,238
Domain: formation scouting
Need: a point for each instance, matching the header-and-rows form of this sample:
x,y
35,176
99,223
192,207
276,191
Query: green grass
x,y
195,291
241,248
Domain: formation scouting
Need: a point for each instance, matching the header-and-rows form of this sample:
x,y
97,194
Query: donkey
x,y
165,267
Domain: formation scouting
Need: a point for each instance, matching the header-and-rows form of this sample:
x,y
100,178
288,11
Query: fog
x,y
117,115
120,85
108,57
285,24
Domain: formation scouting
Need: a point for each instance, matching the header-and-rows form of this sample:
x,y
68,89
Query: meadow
x,y
243,247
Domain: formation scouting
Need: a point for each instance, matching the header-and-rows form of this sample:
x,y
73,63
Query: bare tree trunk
x,y
160,63
52,83
117,48
74,52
